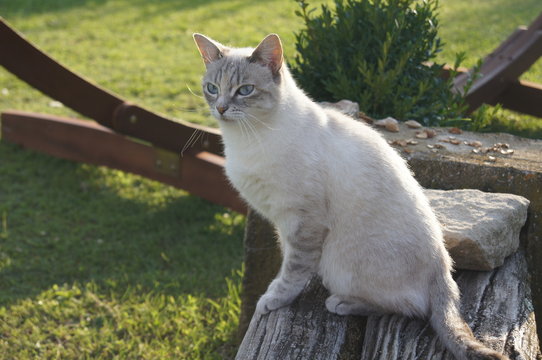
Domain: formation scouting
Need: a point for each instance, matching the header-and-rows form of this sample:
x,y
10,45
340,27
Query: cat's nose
x,y
222,109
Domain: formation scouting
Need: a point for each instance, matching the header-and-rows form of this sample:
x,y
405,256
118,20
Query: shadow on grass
x,y
64,222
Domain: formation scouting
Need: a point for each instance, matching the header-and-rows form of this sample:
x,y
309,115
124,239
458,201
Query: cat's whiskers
x,y
191,140
249,127
244,128
193,93
256,136
260,121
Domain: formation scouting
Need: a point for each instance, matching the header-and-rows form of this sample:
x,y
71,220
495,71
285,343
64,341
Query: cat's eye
x,y
212,89
245,90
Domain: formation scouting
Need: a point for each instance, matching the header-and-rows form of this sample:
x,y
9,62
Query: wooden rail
x,y
197,171
500,71
124,136
124,126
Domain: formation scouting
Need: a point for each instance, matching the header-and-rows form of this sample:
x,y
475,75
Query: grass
x,y
143,50
100,264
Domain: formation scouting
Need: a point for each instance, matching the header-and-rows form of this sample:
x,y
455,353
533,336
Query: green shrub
x,y
373,52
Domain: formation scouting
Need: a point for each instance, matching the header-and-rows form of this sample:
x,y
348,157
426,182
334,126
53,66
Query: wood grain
x,y
497,305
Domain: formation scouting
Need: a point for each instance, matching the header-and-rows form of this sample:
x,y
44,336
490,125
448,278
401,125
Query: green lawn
x,y
99,264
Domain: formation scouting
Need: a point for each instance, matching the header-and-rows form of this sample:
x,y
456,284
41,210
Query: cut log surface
x,y
497,305
303,330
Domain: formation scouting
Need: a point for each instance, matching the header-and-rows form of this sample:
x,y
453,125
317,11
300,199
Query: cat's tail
x,y
453,331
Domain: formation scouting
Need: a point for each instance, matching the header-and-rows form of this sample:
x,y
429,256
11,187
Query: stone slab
x,y
480,229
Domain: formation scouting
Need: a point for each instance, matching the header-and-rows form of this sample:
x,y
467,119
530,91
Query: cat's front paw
x,y
270,301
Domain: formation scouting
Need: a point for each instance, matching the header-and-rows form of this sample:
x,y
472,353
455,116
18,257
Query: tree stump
x,y
497,305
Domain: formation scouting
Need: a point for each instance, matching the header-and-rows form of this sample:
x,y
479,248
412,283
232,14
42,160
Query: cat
x,y
344,203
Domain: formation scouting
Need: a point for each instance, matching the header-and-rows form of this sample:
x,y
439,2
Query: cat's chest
x,y
261,183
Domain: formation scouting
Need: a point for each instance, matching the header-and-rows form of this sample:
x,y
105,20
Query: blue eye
x,y
245,90
212,89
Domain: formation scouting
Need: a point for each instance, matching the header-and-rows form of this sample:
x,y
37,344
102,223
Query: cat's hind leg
x,y
346,305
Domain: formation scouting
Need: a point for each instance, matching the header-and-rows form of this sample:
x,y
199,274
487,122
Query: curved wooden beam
x,y
20,57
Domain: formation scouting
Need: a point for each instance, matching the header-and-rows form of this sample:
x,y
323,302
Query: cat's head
x,y
241,84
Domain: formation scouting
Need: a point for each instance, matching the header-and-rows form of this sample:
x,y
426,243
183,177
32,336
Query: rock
x,y
413,124
480,229
347,107
388,123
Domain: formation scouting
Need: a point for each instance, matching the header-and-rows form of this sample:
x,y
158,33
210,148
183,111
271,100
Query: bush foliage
x,y
373,52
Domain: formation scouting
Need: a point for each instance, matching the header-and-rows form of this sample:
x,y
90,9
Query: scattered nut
x,y
365,117
389,124
475,143
455,141
507,151
412,142
430,133
455,130
421,135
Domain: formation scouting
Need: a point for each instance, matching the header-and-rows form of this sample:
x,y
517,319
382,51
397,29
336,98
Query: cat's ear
x,y
210,50
269,53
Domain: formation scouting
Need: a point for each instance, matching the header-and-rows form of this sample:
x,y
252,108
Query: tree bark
x,y
497,305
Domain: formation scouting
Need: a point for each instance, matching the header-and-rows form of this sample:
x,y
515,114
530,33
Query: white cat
x,y
344,203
